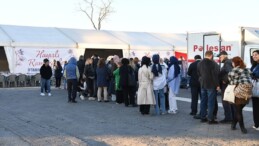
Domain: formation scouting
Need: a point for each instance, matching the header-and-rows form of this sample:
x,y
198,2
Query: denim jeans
x,y
208,99
160,96
45,85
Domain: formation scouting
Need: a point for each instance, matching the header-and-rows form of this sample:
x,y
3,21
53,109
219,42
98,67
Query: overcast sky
x,y
137,15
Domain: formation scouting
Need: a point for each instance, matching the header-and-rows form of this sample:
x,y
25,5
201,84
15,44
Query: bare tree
x,y
96,11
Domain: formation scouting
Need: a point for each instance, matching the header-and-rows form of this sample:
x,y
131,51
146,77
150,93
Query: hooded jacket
x,y
45,72
71,71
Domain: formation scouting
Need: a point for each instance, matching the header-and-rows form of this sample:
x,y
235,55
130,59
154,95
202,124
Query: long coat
x,y
102,77
174,82
145,91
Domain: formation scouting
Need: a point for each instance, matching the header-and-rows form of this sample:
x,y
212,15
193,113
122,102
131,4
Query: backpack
x,y
131,78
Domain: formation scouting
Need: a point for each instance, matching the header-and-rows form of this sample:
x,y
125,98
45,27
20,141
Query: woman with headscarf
x,y
145,90
173,80
159,83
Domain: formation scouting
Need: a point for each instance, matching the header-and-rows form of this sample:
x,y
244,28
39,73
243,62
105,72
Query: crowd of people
x,y
156,82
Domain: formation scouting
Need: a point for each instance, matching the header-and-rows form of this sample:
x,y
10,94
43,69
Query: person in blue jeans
x,y
72,75
208,72
159,83
46,74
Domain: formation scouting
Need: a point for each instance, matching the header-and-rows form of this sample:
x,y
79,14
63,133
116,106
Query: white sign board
x,y
30,60
195,46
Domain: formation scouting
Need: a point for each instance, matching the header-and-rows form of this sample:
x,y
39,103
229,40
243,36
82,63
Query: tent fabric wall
x,y
177,40
94,39
141,41
4,39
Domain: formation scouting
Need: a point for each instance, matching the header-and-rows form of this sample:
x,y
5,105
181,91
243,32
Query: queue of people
x,y
157,83
207,78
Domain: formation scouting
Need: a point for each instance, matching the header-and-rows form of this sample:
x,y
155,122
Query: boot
x,y
242,127
233,125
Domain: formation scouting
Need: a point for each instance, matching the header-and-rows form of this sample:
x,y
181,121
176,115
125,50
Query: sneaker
x,y
256,128
172,112
192,114
204,120
82,97
91,98
164,113
49,94
42,94
197,117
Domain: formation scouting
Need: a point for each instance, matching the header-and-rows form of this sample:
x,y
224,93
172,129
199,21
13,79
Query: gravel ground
x,y
29,119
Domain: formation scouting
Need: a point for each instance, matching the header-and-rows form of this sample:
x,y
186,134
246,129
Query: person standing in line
x,y
145,91
81,66
95,61
102,73
174,80
65,81
159,83
208,72
240,76
128,86
58,74
223,82
72,75
89,75
255,100
119,93
46,74
194,84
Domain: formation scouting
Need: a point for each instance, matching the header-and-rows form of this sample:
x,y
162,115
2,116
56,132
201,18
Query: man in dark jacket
x,y
95,59
72,75
208,72
129,92
46,73
223,81
81,66
194,84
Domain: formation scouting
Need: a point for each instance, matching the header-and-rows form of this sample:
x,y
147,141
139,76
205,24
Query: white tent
x,y
144,44
177,40
30,45
252,36
92,39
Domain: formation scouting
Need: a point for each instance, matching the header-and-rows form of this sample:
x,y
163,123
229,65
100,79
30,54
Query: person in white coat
x,y
145,96
173,80
159,83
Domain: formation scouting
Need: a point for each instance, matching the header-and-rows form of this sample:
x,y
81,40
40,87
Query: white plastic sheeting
x,y
93,39
24,36
4,39
177,40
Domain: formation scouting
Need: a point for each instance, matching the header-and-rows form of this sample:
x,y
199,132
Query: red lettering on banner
x,y
33,63
212,48
42,54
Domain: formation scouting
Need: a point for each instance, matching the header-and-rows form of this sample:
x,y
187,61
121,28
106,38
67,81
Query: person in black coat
x,y
194,84
46,74
223,82
81,66
128,91
58,74
208,72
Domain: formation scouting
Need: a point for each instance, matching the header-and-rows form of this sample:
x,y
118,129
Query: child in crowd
x,y
82,88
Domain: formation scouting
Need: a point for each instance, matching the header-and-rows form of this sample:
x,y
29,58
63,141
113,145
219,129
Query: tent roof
x,y
24,36
94,39
142,41
252,37
4,39
177,40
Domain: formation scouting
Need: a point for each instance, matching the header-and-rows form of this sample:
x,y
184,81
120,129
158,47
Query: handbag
x,y
243,91
256,89
229,94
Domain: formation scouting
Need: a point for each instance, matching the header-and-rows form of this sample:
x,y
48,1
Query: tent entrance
x,y
103,53
3,61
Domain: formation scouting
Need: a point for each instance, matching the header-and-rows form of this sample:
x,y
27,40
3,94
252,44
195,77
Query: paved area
x,y
29,119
